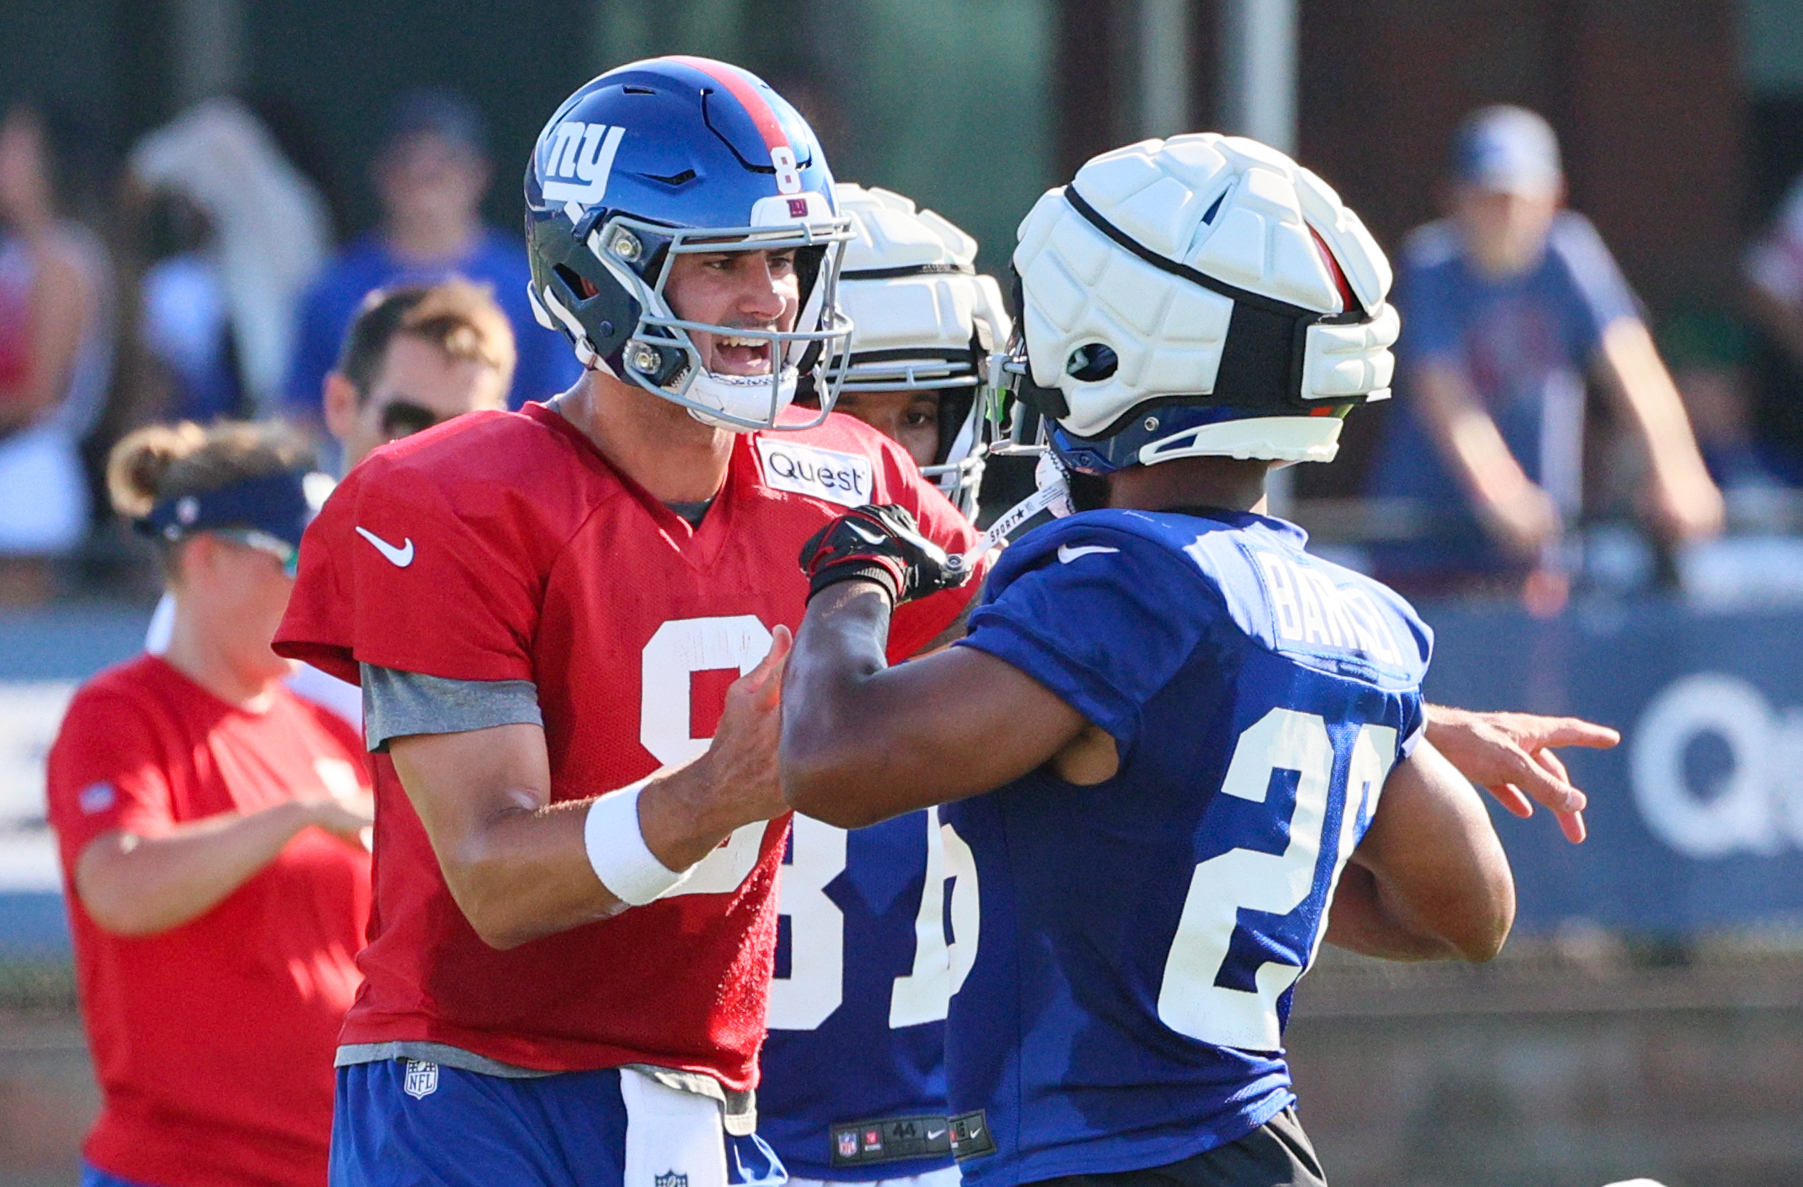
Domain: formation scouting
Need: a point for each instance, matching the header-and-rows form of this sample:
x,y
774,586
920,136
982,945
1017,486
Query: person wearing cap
x,y
1508,305
212,831
430,175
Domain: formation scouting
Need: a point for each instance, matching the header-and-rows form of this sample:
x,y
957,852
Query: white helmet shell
x,y
910,285
924,319
1152,251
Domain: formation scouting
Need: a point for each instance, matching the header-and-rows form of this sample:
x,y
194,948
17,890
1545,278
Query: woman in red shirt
x,y
212,833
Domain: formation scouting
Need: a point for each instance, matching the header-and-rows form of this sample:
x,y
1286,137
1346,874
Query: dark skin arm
x,y
863,742
1429,880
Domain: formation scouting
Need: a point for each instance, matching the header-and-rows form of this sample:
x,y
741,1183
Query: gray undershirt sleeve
x,y
396,704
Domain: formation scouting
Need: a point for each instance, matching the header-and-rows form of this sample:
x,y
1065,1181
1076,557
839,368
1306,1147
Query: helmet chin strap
x,y
720,390
1054,495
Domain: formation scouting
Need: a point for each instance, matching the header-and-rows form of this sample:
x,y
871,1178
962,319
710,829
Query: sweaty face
x,y
753,290
909,418
418,386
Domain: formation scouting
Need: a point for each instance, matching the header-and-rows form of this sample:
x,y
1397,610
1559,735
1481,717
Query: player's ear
x,y
341,401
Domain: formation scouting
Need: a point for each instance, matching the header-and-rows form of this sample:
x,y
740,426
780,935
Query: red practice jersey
x,y
503,546
212,1041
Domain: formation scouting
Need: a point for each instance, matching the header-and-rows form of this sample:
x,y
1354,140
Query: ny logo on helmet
x,y
584,154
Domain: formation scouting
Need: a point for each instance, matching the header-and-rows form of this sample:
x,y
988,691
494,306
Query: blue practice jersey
x,y
1139,939
852,1084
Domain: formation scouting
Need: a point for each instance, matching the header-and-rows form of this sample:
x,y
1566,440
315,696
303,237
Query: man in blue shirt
x,y
1172,738
1509,304
430,174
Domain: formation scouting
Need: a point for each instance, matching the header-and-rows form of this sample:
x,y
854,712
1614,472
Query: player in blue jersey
x,y
1172,738
852,1085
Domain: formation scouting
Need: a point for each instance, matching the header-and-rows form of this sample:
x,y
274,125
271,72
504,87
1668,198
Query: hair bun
x,y
140,462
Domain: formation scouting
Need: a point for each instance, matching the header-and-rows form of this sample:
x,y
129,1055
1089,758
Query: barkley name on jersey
x,y
504,548
1140,938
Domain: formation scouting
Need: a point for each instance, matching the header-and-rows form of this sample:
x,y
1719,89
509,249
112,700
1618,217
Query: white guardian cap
x,y
923,320
1198,296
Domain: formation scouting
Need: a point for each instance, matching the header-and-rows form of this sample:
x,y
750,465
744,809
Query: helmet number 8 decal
x,y
788,175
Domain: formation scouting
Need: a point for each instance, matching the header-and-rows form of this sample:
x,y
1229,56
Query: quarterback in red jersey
x,y
578,822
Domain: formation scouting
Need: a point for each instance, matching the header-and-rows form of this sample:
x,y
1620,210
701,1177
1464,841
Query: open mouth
x,y
736,354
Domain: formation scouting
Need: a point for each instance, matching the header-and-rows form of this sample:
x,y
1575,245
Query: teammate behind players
x,y
1181,732
924,326
576,852
853,1072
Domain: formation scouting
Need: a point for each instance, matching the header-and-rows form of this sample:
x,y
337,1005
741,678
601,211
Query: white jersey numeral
x,y
679,649
1189,1000
815,986
925,993
816,982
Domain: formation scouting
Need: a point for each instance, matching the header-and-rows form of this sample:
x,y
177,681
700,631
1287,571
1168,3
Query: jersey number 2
x,y
1190,1000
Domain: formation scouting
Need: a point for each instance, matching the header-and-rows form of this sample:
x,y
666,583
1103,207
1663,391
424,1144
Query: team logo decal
x,y
670,1179
582,157
422,1079
96,797
843,478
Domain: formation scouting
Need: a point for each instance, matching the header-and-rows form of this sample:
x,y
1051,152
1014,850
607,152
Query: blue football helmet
x,y
673,156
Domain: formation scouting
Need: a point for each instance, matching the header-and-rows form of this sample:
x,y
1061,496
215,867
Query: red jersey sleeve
x,y
425,572
106,773
916,624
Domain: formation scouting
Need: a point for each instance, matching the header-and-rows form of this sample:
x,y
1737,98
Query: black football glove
x,y
881,544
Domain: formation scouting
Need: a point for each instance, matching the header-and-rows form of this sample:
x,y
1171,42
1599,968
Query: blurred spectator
x,y
1506,305
413,357
1708,355
212,828
416,356
56,344
220,312
1774,290
430,175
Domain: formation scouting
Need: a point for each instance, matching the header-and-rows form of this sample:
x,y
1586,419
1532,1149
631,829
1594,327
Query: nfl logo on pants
x,y
422,1080
669,1179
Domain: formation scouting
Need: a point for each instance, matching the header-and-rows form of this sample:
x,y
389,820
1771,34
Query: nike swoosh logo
x,y
1066,553
977,1129
933,1134
400,557
870,537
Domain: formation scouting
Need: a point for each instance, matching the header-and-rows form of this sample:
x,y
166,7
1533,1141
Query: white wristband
x,y
617,851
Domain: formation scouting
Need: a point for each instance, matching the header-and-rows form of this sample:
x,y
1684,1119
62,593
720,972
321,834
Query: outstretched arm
x,y
1429,881
862,741
1511,756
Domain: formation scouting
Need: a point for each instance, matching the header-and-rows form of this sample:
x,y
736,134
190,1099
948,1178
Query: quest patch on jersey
x,y
844,478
